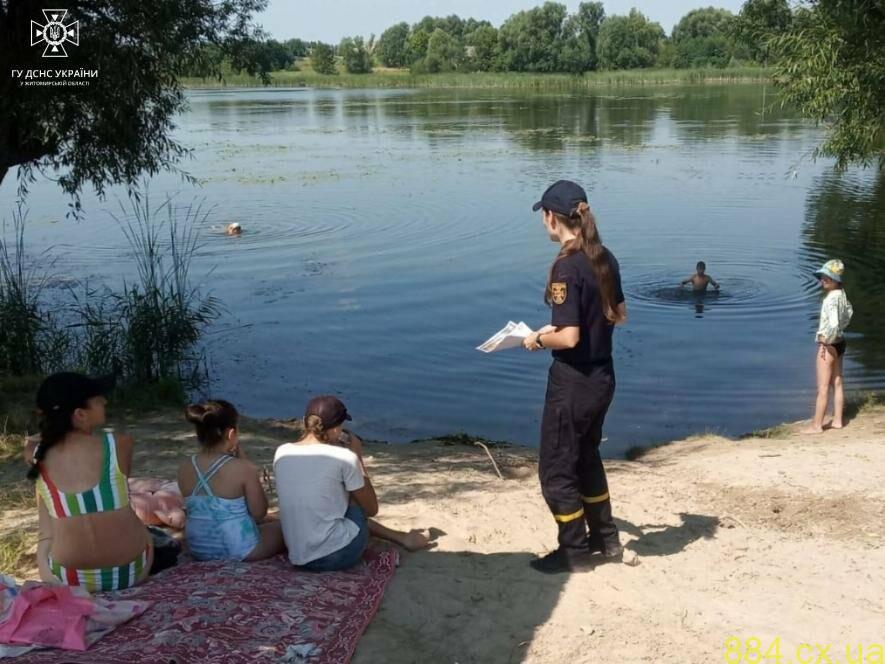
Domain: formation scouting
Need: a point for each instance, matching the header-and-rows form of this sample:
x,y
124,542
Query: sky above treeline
x,y
330,20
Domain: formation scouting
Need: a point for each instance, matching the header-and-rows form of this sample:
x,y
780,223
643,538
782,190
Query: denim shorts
x,y
348,555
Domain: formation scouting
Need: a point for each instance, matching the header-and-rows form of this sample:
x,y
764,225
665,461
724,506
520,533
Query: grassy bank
x,y
402,78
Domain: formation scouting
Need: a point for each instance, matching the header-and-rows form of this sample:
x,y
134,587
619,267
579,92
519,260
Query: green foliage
x,y
444,52
580,35
575,55
589,18
322,59
419,38
628,42
147,333
666,54
298,48
16,545
757,22
150,331
831,66
268,56
699,23
404,78
482,48
531,40
30,338
119,127
355,55
548,39
17,409
142,397
392,47
703,38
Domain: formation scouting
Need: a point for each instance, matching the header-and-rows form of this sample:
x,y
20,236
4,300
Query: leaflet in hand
x,y
510,336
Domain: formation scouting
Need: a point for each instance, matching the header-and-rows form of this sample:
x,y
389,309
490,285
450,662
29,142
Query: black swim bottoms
x,y
839,346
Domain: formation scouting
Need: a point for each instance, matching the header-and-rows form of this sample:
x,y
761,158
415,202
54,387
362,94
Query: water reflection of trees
x,y
715,112
535,121
845,218
550,122
540,122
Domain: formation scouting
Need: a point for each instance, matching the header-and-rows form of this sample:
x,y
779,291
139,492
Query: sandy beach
x,y
781,539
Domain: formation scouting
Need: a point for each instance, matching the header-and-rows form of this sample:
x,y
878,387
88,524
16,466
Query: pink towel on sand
x,y
57,616
47,615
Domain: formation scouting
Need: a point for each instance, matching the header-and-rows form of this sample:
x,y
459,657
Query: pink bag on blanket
x,y
157,502
47,615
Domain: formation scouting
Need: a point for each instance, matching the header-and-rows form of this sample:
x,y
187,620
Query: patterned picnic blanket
x,y
229,612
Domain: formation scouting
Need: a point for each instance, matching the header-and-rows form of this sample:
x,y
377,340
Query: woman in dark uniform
x,y
584,292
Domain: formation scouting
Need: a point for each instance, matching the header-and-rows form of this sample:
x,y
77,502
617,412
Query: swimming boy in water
x,y
700,280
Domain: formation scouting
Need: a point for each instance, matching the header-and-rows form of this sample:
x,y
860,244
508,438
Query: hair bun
x,y
212,418
195,413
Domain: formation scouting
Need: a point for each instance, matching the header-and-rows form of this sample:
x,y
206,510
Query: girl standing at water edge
x,y
584,291
89,534
835,315
224,497
326,494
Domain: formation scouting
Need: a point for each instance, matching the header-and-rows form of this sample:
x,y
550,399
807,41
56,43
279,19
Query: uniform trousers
x,y
572,476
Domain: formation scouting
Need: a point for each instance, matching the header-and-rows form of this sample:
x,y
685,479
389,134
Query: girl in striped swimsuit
x,y
89,535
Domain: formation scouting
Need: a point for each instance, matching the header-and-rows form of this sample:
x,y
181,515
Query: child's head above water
x,y
701,267
323,417
216,422
830,275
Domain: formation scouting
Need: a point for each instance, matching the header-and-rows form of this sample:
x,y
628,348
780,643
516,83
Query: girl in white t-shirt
x,y
326,496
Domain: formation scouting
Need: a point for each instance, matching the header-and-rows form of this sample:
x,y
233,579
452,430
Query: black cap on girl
x,y
67,391
562,197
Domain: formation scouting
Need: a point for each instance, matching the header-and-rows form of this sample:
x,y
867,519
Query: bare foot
x,y
812,430
836,425
415,540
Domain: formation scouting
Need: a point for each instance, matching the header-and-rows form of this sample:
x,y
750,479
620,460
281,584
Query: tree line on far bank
x,y
546,39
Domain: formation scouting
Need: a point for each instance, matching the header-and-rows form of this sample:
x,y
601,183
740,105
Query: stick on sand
x,y
491,458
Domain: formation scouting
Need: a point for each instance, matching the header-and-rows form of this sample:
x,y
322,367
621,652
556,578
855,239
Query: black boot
x,y
610,548
562,560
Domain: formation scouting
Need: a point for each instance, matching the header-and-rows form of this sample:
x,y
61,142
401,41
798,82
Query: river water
x,y
387,233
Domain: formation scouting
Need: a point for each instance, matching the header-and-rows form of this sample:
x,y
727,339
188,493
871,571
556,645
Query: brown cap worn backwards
x,y
329,409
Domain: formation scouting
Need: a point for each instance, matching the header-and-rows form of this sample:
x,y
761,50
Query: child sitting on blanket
x,y
89,534
326,495
224,499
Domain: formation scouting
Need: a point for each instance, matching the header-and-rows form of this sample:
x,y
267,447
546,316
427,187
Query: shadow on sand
x,y
491,606
665,540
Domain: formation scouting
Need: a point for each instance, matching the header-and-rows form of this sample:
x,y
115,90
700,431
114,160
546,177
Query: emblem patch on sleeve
x,y
559,292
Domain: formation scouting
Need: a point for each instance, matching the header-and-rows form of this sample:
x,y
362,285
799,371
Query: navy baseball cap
x,y
329,409
66,391
562,197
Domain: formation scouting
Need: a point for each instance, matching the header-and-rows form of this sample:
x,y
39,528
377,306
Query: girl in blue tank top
x,y
224,500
